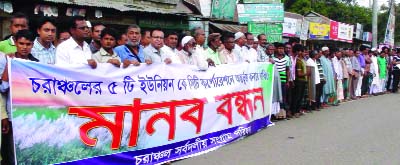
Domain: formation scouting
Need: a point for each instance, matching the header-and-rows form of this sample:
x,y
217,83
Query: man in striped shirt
x,y
282,65
281,62
319,87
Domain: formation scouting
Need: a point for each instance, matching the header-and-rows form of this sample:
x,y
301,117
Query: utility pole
x,y
375,23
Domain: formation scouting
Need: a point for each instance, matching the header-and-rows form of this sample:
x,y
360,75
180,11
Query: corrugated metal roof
x,y
166,1
194,3
230,28
293,15
316,17
143,6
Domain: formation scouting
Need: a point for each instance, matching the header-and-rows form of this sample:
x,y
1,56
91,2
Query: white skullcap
x,y
325,48
373,49
185,40
255,39
238,35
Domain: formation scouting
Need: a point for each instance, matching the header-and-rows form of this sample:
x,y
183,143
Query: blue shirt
x,y
124,53
361,58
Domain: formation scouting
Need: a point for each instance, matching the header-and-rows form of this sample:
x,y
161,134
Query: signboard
x,y
223,9
205,7
333,33
150,114
290,27
256,28
298,27
260,13
367,36
261,1
153,22
359,31
319,31
272,31
304,30
350,34
345,32
390,27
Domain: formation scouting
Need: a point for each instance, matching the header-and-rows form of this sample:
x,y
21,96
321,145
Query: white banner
x,y
304,30
350,33
111,115
345,32
359,31
290,27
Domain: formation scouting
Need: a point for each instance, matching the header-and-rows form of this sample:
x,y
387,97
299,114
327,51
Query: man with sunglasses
x,y
75,50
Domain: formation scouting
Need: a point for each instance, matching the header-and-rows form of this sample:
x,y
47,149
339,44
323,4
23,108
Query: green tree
x,y
347,11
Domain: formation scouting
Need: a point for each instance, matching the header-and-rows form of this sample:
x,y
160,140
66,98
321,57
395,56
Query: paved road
x,y
362,132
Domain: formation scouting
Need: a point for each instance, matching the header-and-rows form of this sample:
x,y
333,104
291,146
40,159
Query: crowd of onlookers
x,y
306,80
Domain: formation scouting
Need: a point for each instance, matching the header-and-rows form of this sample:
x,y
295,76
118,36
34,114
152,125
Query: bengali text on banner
x,y
139,115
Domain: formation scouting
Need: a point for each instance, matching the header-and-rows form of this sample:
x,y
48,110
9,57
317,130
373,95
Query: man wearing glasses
x,y
75,50
153,53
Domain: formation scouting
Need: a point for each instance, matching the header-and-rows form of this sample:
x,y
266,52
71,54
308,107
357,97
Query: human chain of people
x,y
305,78
146,84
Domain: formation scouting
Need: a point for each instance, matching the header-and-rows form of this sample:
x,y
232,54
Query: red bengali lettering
x,y
98,120
188,115
242,103
259,97
227,112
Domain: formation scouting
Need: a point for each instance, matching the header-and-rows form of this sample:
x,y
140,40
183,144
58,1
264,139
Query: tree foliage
x,y
347,11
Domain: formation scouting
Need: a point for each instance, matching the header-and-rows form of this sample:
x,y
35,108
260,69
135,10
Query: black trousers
x,y
283,104
389,82
318,93
298,95
396,79
7,147
365,84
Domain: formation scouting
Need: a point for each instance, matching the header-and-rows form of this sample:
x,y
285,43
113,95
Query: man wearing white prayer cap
x,y
192,55
185,40
255,44
240,49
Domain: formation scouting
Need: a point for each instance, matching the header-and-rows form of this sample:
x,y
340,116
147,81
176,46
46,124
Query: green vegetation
x,y
46,154
346,11
48,113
